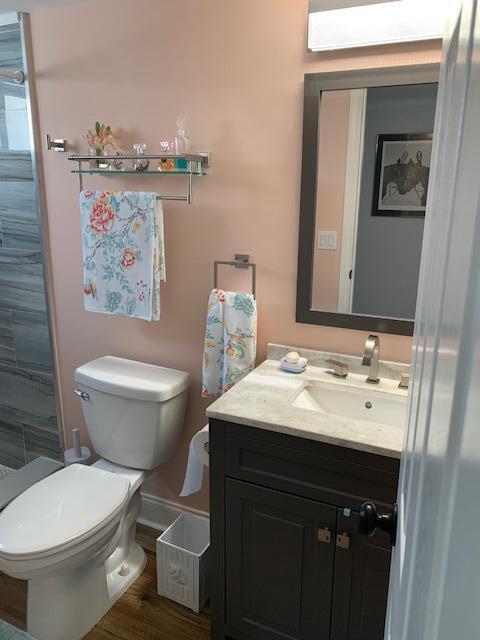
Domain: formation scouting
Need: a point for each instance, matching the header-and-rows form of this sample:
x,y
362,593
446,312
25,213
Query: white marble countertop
x,y
263,400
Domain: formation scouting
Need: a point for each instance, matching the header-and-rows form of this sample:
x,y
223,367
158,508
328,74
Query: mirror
x,y
365,174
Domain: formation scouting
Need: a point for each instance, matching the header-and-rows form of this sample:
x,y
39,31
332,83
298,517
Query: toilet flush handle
x,y
81,394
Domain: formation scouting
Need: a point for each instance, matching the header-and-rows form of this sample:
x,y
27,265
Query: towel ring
x,y
242,261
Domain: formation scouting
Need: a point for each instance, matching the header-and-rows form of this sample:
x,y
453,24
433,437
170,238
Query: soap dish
x,y
293,367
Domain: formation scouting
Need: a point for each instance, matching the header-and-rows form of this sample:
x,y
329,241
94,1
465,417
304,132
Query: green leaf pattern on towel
x,y
230,340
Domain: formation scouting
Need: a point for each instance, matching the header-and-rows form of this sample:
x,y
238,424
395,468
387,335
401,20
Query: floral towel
x,y
230,340
123,252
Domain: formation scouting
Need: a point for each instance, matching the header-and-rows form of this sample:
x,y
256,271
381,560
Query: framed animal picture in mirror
x,y
402,170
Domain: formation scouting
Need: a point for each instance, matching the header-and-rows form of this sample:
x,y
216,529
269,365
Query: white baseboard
x,y
159,514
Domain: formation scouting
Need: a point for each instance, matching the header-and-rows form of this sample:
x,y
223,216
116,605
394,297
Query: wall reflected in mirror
x,y
373,168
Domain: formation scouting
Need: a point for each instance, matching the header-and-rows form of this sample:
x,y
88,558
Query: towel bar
x,y
242,261
17,76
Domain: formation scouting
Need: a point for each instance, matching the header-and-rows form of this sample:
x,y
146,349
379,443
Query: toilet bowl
x,y
63,535
72,534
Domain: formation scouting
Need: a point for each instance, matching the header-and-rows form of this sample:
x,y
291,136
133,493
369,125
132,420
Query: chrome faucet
x,y
371,355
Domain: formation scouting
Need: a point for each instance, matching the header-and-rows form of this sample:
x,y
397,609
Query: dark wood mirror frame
x,y
315,83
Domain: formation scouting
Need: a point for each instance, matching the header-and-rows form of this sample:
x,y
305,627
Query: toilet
x,y
72,534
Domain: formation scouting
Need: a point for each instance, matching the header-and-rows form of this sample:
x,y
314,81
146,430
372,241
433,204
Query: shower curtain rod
x,y
16,76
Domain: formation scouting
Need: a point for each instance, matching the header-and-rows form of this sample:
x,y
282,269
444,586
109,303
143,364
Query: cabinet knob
x,y
370,520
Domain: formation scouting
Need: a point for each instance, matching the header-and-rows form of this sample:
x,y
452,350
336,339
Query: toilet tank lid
x,y
132,379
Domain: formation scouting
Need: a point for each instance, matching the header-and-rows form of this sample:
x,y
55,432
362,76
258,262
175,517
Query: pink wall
x,y
332,164
236,69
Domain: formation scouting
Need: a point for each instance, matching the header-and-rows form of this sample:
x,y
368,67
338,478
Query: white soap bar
x,y
292,357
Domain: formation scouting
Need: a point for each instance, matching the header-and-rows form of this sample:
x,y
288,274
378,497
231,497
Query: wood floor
x,y
140,614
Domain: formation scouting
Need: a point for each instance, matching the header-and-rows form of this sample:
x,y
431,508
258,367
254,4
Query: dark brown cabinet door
x,y
360,590
279,564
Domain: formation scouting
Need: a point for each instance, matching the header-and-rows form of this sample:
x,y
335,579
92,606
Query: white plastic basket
x,y
183,552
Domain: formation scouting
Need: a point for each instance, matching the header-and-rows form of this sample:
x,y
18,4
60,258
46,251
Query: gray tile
x,y
14,126
18,197
18,216
7,346
11,89
21,281
32,341
27,398
12,446
39,442
17,234
10,47
15,166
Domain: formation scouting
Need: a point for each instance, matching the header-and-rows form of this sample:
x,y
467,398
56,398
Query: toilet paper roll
x,y
198,458
201,442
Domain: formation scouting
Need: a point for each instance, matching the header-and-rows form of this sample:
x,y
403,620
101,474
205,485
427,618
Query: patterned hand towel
x,y
123,252
230,340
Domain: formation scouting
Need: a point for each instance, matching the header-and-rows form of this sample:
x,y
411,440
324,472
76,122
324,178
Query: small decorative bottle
x,y
140,164
182,142
167,163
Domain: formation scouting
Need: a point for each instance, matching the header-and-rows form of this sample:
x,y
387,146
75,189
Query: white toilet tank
x,y
134,411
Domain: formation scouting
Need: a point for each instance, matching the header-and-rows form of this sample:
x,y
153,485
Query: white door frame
x,y
351,201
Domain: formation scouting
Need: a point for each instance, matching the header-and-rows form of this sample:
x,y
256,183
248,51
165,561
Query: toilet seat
x,y
61,511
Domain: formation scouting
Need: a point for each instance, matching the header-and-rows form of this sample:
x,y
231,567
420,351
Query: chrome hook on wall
x,y
57,144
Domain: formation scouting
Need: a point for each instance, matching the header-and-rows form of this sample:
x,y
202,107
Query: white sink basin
x,y
352,403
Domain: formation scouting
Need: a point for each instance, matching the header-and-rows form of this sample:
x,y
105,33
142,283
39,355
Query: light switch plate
x,y
327,240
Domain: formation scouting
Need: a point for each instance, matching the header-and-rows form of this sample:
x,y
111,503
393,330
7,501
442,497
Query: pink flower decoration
x,y
128,259
101,217
220,295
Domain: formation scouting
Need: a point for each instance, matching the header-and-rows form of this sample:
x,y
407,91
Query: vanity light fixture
x,y
376,24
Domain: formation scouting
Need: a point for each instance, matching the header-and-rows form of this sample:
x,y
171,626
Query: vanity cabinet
x,y
287,559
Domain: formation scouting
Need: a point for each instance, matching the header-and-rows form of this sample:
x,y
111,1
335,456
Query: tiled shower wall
x,y
28,420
